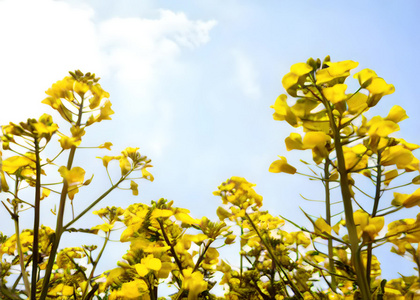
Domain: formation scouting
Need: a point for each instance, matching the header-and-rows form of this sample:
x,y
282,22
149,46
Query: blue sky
x,y
192,83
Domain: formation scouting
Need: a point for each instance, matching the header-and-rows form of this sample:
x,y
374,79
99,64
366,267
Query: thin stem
x,y
274,258
172,249
374,211
241,254
347,202
95,263
331,266
200,259
60,216
35,245
15,218
94,203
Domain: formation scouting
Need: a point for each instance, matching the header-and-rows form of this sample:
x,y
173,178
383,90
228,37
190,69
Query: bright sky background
x,y
192,82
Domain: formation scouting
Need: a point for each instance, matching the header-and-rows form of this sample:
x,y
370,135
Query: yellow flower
x,y
74,178
281,166
336,93
283,112
322,227
367,225
14,163
239,192
407,200
376,86
296,77
335,70
106,145
397,155
194,283
61,290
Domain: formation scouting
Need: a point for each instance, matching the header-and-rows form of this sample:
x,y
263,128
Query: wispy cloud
x,y
43,39
246,75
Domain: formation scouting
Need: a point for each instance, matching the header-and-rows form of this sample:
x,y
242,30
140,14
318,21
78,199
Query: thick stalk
x,y
331,266
348,208
60,216
35,245
374,212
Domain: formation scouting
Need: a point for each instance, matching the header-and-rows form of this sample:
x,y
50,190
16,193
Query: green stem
x,y
275,259
95,263
20,253
348,208
60,216
172,249
374,212
242,256
35,245
331,266
94,203
200,259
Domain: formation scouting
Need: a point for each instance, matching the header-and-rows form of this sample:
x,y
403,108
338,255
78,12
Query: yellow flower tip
x,y
289,80
335,70
300,69
378,86
364,75
281,166
397,114
106,145
322,227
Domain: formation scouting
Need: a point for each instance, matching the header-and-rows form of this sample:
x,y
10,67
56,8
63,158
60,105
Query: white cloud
x,y
41,40
246,75
44,39
141,49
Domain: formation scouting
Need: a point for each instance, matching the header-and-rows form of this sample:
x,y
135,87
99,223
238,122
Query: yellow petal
x,y
300,69
106,145
106,111
364,75
375,225
283,111
406,199
390,175
12,164
382,127
222,213
378,86
45,193
335,93
294,141
124,165
322,227
162,213
397,155
146,174
185,218
315,139
281,165
69,142
134,188
397,114
73,177
289,80
151,263
335,70
357,103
